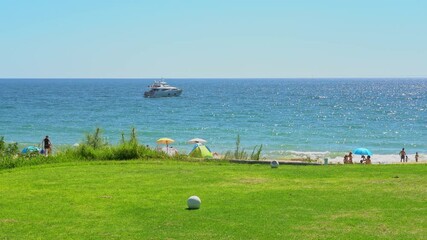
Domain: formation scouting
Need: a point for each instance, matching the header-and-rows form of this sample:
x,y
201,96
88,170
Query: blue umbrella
x,y
30,149
362,151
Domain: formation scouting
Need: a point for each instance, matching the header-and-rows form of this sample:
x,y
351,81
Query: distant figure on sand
x,y
368,160
363,159
47,146
406,158
402,155
416,157
350,157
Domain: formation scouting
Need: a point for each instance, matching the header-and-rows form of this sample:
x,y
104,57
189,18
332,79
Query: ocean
x,y
305,117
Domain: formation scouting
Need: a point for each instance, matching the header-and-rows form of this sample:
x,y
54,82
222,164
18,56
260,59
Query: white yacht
x,y
162,89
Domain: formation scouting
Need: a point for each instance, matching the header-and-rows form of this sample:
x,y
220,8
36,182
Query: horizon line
x,y
201,78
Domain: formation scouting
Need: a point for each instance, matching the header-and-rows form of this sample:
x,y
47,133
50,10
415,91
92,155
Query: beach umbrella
x,y
30,149
362,151
165,141
197,140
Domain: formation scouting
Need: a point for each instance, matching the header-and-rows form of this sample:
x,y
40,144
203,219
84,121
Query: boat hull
x,y
162,93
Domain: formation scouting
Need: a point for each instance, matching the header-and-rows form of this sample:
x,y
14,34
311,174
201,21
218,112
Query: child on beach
x,y
416,157
363,159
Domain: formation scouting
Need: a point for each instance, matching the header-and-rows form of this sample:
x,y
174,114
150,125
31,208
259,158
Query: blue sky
x,y
215,38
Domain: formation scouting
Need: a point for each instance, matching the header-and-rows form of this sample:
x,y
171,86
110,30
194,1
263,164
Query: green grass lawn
x,y
147,200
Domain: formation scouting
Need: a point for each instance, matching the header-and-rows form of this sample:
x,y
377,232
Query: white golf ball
x,y
274,164
194,202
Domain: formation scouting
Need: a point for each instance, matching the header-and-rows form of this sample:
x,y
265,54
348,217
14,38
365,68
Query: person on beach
x,y
47,146
350,157
402,155
345,160
416,157
363,159
406,158
368,160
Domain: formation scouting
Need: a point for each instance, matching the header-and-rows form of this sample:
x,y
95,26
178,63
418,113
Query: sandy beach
x,y
334,159
383,159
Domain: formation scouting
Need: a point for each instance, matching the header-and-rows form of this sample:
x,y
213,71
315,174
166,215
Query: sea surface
x,y
287,116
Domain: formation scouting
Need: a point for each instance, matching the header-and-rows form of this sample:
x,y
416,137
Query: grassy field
x,y
147,200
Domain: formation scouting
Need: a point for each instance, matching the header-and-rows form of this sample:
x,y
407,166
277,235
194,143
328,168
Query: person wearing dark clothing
x,y
47,146
402,155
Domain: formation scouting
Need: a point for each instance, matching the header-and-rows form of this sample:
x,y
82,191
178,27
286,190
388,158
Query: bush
x,y
10,149
94,147
125,152
86,152
96,140
2,145
256,153
240,153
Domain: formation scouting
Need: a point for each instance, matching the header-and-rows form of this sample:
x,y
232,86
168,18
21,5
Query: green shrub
x,y
256,153
86,152
12,149
6,149
125,152
8,162
96,140
93,148
239,154
2,145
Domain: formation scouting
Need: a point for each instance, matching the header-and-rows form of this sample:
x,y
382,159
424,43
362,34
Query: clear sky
x,y
213,38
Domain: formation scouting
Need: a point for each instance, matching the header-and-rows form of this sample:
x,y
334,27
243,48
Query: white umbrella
x,y
197,140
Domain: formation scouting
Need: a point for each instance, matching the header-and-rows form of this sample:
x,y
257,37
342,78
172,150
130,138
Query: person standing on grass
x,y
47,146
402,155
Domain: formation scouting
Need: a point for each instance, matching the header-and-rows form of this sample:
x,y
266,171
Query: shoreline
x,y
314,163
384,159
375,158
293,156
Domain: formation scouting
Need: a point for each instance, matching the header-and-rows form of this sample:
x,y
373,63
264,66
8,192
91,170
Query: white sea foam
x,y
310,155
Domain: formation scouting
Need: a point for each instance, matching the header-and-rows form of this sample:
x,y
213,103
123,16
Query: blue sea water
x,y
285,115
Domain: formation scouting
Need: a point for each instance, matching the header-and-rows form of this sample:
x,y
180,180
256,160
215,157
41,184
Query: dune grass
x,y
147,200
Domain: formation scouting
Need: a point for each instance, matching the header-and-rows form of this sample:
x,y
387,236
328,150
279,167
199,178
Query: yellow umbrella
x,y
165,141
